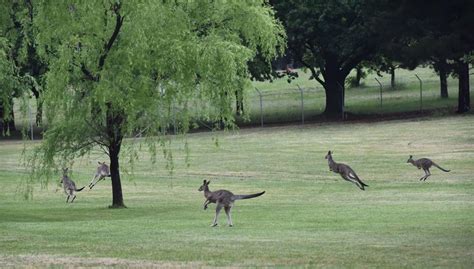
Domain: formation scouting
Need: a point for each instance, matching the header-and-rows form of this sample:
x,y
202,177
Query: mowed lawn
x,y
308,217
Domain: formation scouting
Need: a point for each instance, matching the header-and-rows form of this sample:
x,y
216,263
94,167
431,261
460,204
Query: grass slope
x,y
308,217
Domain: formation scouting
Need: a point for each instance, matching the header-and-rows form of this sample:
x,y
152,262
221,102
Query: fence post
x,y
31,121
380,93
421,93
261,106
302,104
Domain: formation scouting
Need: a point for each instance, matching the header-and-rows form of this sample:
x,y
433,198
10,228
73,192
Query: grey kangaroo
x,y
102,171
426,164
224,199
69,186
345,171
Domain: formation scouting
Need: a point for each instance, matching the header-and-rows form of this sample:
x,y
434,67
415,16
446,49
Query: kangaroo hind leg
x,y
427,171
424,177
353,181
73,198
229,217
218,210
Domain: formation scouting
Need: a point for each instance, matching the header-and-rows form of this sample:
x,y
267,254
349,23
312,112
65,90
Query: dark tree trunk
x,y
39,106
464,99
334,98
443,82
334,88
39,112
117,196
114,132
7,123
358,76
442,68
392,77
239,102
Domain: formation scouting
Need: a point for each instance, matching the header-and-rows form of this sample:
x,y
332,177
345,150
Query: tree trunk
x,y
392,77
334,98
114,132
334,88
39,112
239,102
442,67
443,83
7,123
39,106
117,196
464,99
358,76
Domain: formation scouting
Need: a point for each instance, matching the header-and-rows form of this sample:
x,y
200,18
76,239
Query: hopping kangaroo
x,y
426,164
69,186
345,171
102,171
224,199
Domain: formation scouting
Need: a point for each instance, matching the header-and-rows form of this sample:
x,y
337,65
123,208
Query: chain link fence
x,y
377,97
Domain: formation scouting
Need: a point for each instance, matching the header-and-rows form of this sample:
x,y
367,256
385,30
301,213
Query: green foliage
x,y
7,84
123,69
330,38
20,57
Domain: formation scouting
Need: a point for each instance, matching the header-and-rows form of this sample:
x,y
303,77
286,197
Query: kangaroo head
x,y
103,168
65,170
328,155
410,159
204,185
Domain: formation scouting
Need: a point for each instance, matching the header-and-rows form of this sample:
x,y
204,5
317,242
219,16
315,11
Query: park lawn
x,y
308,217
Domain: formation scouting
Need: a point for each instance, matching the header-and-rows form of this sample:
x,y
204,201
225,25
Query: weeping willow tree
x,y
119,69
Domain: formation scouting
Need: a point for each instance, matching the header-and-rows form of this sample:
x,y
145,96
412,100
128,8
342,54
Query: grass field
x,y
309,217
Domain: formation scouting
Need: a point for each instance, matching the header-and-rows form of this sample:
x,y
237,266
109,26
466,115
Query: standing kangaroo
x,y
345,171
424,163
224,199
69,186
102,171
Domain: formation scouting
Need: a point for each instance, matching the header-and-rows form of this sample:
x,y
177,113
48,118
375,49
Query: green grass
x,y
309,217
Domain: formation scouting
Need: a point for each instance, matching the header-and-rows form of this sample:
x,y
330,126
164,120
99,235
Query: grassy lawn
x,y
308,216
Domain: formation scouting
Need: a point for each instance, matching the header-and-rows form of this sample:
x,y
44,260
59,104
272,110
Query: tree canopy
x,y
331,38
120,68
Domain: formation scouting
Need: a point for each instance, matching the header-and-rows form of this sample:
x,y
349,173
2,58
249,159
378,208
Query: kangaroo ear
x,y
204,182
208,182
329,152
411,156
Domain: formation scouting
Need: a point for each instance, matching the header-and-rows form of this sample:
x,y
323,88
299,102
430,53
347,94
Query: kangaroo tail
x,y
439,167
246,196
80,189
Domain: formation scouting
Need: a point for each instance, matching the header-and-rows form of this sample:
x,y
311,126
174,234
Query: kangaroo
x,y
69,186
345,171
224,199
102,171
426,164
